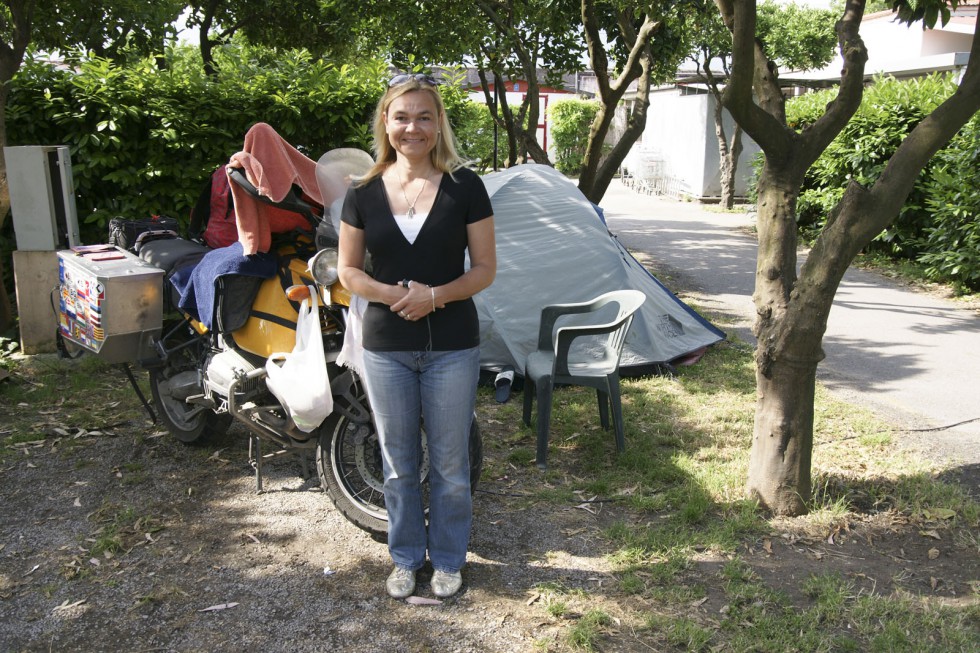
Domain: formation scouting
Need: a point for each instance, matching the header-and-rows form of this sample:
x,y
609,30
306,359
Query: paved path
x,y
909,356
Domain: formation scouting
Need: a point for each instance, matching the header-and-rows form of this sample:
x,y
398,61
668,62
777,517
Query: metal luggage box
x,y
111,302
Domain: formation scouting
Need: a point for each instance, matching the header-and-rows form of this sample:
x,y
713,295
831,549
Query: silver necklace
x,y
411,205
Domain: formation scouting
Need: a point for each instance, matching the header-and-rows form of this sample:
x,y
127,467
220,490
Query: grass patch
x,y
584,635
70,398
681,483
681,632
120,528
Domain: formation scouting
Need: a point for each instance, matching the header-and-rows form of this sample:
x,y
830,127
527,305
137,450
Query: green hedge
x,y
937,224
570,123
951,243
144,141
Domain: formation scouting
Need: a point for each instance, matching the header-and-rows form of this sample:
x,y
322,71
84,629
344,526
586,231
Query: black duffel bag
x,y
131,234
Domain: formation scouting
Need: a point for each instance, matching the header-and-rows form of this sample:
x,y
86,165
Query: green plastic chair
x,y
597,367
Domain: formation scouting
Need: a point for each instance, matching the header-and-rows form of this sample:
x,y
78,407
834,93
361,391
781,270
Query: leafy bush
x,y
889,111
951,245
570,123
143,140
473,126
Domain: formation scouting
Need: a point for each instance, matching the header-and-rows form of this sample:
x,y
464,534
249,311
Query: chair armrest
x,y
550,315
567,335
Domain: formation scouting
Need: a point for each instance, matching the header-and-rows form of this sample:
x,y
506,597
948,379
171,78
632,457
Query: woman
x,y
417,212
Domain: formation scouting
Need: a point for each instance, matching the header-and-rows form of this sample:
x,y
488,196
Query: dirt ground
x,y
122,539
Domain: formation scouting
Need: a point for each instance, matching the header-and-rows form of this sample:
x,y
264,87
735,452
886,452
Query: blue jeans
x,y
439,386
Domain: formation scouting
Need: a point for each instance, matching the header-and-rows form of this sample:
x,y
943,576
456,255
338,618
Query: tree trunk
x,y
18,28
207,55
782,440
792,314
729,170
595,179
525,140
207,45
597,170
508,123
6,306
729,153
791,318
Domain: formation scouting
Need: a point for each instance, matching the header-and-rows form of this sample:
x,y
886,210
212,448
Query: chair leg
x,y
603,400
617,414
544,392
528,398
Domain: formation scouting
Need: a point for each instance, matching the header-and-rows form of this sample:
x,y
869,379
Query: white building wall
x,y
678,152
885,38
889,41
941,42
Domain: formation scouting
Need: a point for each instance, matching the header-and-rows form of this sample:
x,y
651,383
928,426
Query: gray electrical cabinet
x,y
42,197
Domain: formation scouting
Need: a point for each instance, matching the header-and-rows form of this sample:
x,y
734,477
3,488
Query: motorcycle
x,y
203,380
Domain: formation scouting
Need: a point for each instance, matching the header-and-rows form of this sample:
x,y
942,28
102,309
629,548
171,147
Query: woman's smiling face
x,y
412,124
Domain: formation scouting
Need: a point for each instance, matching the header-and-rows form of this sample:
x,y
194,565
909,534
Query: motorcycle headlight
x,y
323,266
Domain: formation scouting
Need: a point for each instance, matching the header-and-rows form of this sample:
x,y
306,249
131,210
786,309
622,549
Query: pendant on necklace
x,y
411,212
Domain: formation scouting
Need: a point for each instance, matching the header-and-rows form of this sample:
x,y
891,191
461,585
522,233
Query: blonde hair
x,y
444,156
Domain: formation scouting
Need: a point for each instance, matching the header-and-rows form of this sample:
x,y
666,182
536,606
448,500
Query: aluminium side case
x,y
111,302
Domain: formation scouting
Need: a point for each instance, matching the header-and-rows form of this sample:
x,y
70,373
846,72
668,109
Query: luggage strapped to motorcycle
x,y
293,201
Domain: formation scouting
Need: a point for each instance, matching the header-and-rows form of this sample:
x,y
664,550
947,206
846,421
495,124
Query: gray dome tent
x,y
552,247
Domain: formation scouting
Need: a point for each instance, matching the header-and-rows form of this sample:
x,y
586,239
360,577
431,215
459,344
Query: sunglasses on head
x,y
418,77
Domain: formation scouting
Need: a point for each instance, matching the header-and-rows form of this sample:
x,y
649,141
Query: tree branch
x,y
597,53
819,135
751,70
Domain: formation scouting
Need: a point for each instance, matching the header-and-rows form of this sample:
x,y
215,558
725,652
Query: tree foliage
x,y
106,28
797,37
319,26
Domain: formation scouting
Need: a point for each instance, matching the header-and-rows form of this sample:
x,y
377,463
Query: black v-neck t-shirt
x,y
436,257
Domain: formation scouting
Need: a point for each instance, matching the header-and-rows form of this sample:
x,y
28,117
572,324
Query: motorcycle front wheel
x,y
348,461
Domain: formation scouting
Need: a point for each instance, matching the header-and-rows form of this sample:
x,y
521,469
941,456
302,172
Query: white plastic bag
x,y
299,379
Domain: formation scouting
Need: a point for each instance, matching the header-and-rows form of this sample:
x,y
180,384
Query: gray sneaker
x,y
446,584
400,583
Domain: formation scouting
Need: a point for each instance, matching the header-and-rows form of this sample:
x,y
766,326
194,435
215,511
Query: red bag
x,y
221,229
213,215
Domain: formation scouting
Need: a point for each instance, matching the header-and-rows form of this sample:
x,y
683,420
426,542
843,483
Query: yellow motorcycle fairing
x,y
271,325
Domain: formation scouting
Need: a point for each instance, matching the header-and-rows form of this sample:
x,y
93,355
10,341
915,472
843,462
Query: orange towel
x,y
271,165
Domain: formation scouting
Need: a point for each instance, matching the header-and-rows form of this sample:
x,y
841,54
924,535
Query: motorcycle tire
x,y
348,460
189,424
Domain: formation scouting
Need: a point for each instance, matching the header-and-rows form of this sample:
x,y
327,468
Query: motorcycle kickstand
x,y
255,459
139,393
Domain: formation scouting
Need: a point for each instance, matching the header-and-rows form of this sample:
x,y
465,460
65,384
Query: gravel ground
x,y
199,561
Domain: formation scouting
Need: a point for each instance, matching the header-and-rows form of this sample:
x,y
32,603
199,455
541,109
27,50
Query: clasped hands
x,y
418,301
